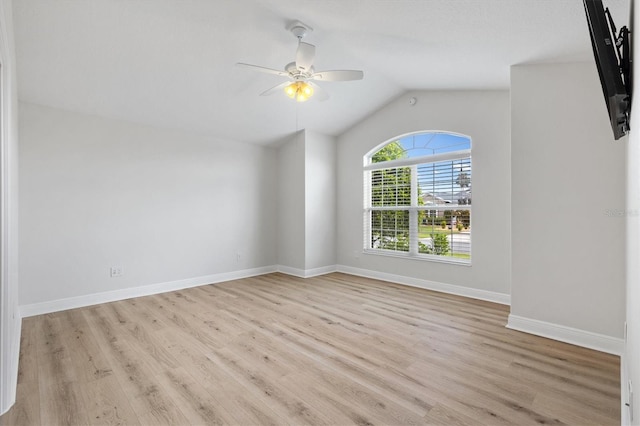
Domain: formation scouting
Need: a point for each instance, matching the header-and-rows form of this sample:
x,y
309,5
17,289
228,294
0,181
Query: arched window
x,y
418,197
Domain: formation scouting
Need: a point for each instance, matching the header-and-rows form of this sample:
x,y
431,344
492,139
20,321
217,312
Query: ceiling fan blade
x,y
263,69
338,75
318,92
304,56
276,88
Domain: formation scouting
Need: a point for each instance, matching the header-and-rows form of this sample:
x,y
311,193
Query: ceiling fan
x,y
301,74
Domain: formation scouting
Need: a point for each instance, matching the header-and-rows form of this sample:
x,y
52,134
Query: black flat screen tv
x,y
612,55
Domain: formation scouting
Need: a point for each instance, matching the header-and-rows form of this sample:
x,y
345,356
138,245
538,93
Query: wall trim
x,y
574,336
10,357
306,273
128,293
290,271
473,293
10,324
15,354
624,391
561,333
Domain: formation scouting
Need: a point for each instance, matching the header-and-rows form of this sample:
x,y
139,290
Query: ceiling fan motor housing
x,y
296,73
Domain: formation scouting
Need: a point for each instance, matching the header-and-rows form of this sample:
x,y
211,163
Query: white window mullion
x,y
413,213
413,231
366,237
448,156
414,186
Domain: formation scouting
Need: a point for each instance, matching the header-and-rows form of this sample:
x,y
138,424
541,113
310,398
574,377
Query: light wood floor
x,y
274,350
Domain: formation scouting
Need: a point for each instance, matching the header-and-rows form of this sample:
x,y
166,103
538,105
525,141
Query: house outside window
x,y
418,197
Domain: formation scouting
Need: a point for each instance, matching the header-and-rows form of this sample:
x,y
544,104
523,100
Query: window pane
x,y
421,145
391,151
445,183
391,187
390,230
445,233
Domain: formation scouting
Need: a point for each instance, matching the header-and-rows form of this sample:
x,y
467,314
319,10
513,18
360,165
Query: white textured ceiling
x,y
170,63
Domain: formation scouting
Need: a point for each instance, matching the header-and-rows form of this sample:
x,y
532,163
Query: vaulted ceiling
x,y
170,63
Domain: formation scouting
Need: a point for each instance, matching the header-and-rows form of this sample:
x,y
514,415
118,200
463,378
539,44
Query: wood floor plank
x,y
316,368
28,361
275,349
26,410
199,406
139,336
282,401
224,390
131,367
89,362
61,403
54,355
107,403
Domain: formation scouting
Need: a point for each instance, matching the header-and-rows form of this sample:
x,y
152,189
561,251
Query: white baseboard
x,y
501,298
291,271
306,273
128,293
574,336
553,331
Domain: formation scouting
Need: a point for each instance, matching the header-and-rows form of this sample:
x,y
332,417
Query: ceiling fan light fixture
x,y
291,90
299,90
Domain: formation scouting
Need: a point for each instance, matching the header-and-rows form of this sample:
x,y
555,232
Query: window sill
x,y
419,257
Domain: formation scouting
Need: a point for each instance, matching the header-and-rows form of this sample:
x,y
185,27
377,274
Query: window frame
x,y
414,208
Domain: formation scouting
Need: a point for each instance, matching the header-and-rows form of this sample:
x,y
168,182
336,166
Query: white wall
x,y
482,115
306,204
568,183
291,213
9,316
631,356
320,201
162,205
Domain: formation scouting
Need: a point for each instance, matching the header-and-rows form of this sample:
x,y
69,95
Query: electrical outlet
x,y
238,257
115,271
